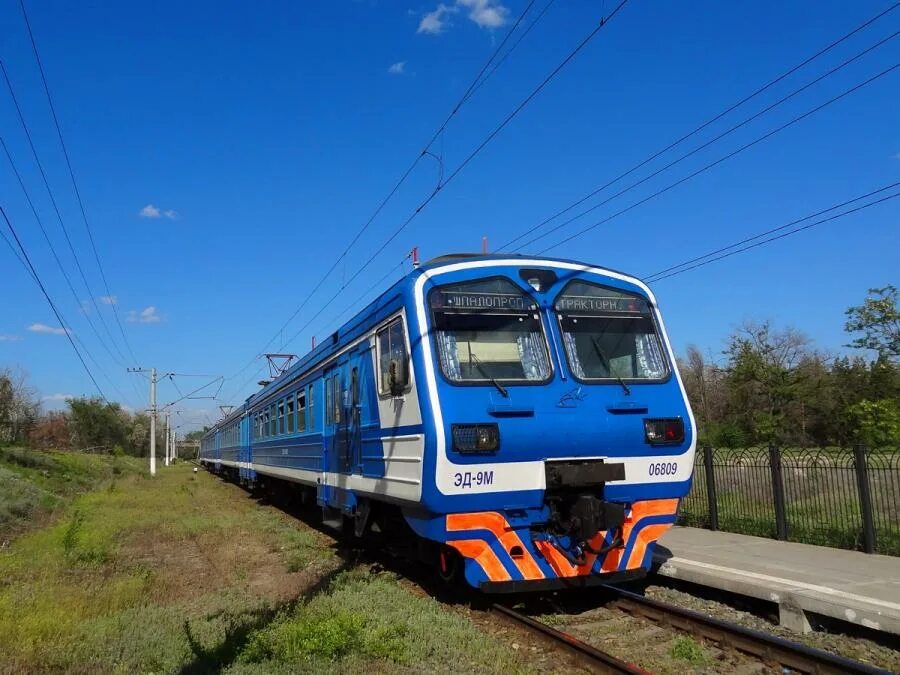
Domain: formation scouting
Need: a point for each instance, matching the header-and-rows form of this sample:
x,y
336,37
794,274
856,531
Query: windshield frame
x,y
651,315
487,382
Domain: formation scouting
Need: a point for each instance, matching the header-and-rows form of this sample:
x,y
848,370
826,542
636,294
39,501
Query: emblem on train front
x,y
570,399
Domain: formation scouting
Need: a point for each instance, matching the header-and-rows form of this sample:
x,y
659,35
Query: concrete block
x,y
792,616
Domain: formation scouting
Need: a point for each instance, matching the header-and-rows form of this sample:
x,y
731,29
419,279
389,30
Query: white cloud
x,y
147,315
9,338
109,300
149,211
58,397
485,13
171,214
434,22
46,330
397,68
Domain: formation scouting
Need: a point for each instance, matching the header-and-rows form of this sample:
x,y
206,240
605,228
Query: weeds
x,y
688,649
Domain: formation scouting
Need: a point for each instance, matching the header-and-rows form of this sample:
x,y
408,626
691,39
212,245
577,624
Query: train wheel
x,y
449,564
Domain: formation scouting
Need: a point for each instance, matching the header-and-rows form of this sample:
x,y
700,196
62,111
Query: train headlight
x,y
473,438
664,430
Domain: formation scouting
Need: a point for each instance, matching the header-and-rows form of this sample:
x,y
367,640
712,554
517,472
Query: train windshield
x,y
609,334
489,331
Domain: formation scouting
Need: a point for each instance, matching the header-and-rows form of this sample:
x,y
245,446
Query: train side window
x,y
273,421
280,428
311,402
289,411
301,411
393,359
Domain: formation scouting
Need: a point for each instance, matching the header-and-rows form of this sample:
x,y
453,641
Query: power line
x,y
603,22
474,153
511,49
62,224
707,259
374,286
74,182
66,326
52,248
726,157
425,151
767,232
50,302
700,128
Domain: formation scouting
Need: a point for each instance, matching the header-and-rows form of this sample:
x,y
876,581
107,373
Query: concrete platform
x,y
849,586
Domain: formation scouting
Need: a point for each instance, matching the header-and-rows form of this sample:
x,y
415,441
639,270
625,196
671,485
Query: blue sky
x,y
227,152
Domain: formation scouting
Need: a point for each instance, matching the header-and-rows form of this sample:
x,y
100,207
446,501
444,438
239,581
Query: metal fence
x,y
841,497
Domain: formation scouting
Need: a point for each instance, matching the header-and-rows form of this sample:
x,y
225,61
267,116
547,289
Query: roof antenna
x,y
415,257
484,245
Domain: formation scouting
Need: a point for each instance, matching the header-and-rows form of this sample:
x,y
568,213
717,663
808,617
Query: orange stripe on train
x,y
498,525
481,552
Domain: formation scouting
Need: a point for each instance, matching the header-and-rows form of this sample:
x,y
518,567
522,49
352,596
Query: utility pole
x,y
168,436
152,415
153,421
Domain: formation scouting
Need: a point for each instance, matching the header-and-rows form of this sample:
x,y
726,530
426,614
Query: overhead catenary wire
x,y
474,153
765,87
757,240
65,151
50,302
56,208
371,288
393,191
52,248
723,249
726,157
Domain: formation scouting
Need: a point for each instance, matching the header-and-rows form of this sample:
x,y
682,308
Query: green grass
x,y
371,619
183,573
36,484
690,651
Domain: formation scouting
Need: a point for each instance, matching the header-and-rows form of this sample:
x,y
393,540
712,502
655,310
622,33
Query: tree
x,y
19,407
879,322
193,436
766,372
51,432
876,423
96,424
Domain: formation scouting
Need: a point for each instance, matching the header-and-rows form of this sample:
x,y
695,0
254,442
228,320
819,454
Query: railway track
x,y
591,657
773,651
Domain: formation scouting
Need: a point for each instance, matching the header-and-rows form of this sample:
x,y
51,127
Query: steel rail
x,y
764,646
592,657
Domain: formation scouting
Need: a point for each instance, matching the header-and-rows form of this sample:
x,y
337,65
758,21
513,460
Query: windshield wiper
x,y
597,348
478,364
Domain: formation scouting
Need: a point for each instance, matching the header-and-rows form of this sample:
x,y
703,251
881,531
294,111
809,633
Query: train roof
x,y
332,343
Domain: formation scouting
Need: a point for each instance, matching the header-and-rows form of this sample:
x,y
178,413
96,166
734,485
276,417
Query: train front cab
x,y
561,438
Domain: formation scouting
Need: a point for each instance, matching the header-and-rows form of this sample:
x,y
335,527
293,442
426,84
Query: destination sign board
x,y
585,303
494,301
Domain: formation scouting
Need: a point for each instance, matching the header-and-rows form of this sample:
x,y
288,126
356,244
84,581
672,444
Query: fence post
x,y
778,492
712,502
861,464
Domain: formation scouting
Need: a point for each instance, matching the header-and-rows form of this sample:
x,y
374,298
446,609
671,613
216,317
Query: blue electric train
x,y
521,418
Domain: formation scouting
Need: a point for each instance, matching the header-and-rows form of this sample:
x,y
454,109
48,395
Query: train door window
x,y
393,359
311,402
301,411
289,411
329,406
354,387
336,398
